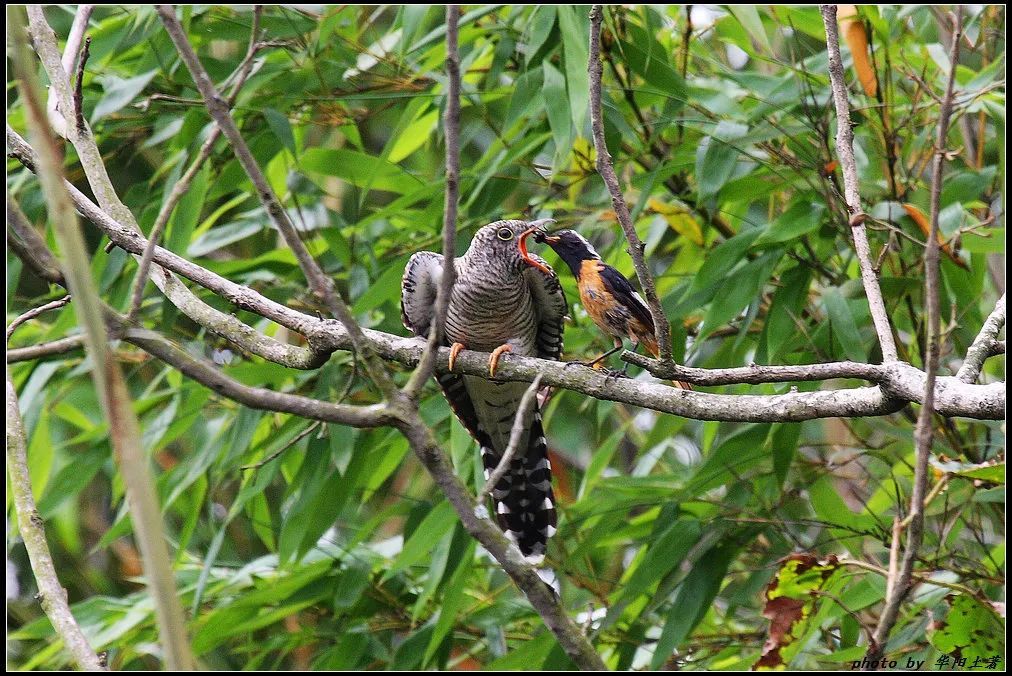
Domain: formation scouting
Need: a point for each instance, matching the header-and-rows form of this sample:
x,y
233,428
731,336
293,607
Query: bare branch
x,y
984,344
28,245
79,85
451,123
71,52
182,186
35,312
125,434
924,431
276,454
52,596
607,171
320,283
43,350
524,412
211,376
845,152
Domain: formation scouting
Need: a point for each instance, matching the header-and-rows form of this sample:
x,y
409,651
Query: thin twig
x,y
983,345
606,168
924,431
79,85
523,416
43,350
52,596
845,152
35,312
182,186
299,437
451,123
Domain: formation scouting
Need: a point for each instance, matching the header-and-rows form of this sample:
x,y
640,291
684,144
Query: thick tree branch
x,y
451,124
606,168
320,283
211,376
901,381
845,152
124,430
52,596
984,345
924,432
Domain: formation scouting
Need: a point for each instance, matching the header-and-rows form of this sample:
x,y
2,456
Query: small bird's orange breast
x,y
597,300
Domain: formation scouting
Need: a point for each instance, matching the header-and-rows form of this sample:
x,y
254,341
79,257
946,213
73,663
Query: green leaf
x,y
748,15
282,128
357,168
739,289
575,26
695,595
844,326
119,92
557,106
436,522
717,157
800,219
970,630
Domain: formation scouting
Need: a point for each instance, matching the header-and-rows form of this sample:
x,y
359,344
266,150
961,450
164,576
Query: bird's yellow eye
x,y
504,234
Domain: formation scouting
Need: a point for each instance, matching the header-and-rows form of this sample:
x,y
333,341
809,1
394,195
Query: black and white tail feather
x,y
522,499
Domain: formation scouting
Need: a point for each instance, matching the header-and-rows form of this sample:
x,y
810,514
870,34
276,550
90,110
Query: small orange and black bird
x,y
607,296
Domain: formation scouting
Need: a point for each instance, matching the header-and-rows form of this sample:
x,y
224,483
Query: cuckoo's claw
x,y
493,361
454,351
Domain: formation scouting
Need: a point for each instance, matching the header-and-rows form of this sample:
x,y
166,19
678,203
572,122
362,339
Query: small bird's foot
x,y
493,361
454,351
613,373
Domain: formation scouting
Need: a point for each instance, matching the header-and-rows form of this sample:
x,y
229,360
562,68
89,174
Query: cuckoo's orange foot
x,y
493,361
454,351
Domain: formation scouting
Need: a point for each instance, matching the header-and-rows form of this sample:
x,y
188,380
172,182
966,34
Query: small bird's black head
x,y
571,246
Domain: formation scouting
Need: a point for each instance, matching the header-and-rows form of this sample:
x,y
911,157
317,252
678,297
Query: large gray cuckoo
x,y
503,300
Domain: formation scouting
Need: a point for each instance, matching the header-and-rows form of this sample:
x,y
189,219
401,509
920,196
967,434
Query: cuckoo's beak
x,y
536,229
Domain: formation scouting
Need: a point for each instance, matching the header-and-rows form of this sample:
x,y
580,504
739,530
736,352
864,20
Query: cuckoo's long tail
x,y
524,503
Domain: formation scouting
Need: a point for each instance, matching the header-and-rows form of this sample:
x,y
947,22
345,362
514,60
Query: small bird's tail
x,y
650,343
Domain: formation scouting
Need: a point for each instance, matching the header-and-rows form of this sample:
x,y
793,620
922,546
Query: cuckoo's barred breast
x,y
497,299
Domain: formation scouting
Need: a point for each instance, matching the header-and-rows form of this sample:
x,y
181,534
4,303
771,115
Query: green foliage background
x,y
340,554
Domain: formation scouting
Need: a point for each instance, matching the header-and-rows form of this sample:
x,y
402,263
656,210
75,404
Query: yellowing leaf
x,y
857,42
680,219
918,217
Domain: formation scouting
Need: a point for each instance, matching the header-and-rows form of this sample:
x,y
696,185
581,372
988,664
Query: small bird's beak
x,y
535,229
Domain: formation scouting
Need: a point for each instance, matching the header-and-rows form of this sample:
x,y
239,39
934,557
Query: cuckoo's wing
x,y
418,291
550,304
